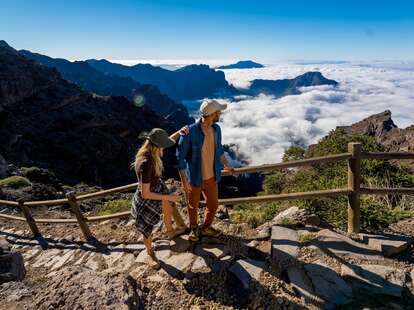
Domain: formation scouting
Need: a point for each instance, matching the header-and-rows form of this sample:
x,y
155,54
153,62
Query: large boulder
x,y
294,215
11,263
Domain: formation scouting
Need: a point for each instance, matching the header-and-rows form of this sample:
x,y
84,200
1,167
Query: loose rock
x,y
375,279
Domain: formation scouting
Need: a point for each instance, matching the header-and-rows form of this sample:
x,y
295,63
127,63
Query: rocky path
x,y
275,267
213,273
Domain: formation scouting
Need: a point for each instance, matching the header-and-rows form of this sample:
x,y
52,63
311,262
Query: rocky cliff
x,y
382,127
48,122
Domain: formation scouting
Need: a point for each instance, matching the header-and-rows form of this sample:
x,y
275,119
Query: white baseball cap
x,y
209,106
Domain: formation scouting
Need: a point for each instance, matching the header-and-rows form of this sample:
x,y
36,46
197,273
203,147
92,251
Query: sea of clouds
x,y
263,127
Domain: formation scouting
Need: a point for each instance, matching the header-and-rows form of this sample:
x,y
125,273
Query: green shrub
x,y
275,183
289,222
254,214
39,175
113,206
294,153
15,182
375,213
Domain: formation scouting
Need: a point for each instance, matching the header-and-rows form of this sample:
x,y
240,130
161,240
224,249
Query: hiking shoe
x,y
171,234
210,232
194,234
181,229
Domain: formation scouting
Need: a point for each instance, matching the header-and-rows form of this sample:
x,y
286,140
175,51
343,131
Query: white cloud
x,y
263,127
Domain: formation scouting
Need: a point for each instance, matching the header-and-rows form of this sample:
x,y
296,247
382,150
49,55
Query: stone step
x,y
162,251
285,243
212,251
328,285
320,285
177,264
388,244
335,244
246,270
375,279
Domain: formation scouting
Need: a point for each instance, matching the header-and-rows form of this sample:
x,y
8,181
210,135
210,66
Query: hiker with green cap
x,y
152,197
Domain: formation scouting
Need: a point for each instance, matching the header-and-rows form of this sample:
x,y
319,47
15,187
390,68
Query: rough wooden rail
x,y
353,191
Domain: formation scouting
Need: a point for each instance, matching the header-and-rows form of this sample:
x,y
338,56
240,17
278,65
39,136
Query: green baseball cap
x,y
160,138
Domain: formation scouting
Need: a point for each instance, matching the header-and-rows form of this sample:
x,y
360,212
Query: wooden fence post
x,y
354,185
79,216
29,218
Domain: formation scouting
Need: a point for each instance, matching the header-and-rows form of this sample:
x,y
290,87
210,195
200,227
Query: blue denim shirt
x,y
189,153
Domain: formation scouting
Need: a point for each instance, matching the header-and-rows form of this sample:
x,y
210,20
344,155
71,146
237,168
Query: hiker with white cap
x,y
200,161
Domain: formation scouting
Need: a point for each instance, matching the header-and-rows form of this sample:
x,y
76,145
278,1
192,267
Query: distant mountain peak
x,y
3,44
311,73
97,60
6,47
242,64
285,87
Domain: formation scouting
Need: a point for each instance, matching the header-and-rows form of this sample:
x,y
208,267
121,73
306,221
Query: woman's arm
x,y
147,194
182,132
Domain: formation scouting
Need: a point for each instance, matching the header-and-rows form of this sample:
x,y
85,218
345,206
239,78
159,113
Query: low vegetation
x,y
113,206
254,214
15,182
377,212
306,238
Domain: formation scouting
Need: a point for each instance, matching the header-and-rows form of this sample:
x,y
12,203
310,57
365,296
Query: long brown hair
x,y
154,153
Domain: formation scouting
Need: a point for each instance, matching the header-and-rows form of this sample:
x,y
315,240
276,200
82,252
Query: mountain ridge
x,y
92,80
191,82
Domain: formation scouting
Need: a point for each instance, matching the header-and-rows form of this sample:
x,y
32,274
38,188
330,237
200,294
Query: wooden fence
x,y
353,191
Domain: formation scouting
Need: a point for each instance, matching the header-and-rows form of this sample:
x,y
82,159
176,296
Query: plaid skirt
x,y
147,212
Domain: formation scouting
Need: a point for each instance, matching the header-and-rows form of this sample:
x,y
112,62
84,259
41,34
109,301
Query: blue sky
x,y
166,29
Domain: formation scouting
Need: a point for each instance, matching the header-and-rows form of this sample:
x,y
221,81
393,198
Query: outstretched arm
x,y
227,166
182,132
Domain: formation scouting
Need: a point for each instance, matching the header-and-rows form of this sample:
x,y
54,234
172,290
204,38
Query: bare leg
x,y
148,245
150,250
177,217
166,212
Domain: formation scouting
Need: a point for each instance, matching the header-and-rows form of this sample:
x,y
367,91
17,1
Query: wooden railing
x,y
353,191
